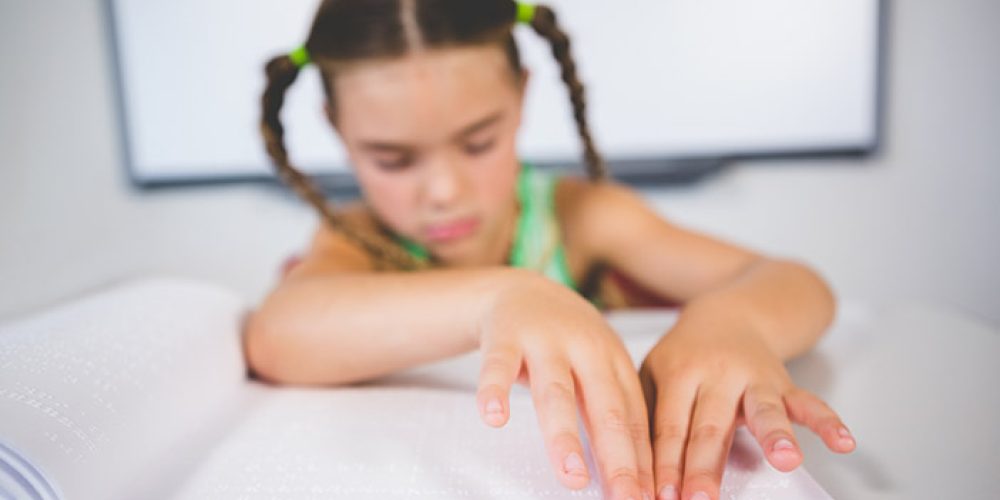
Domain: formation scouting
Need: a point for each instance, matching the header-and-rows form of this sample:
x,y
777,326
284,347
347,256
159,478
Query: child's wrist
x,y
505,284
514,290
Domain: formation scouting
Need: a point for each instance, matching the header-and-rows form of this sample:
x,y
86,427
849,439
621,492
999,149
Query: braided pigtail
x,y
543,21
281,73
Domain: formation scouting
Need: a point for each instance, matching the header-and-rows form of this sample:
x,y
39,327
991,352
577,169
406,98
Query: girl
x,y
427,97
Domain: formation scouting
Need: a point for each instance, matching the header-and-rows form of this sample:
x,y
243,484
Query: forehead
x,y
424,95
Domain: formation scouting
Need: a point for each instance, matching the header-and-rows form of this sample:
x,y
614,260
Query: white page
x,y
165,412
404,442
99,394
418,434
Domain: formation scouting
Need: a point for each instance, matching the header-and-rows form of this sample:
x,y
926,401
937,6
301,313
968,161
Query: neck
x,y
504,244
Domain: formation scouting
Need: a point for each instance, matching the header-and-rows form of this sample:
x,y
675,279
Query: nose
x,y
444,184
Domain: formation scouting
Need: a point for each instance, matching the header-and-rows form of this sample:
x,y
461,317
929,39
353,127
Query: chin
x,y
458,253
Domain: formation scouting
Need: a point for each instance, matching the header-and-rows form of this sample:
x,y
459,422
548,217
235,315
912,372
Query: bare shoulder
x,y
331,251
591,212
613,224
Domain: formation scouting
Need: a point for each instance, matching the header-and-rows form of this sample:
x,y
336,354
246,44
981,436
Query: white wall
x,y
917,223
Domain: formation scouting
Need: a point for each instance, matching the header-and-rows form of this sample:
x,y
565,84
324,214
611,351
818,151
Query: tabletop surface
x,y
915,386
912,382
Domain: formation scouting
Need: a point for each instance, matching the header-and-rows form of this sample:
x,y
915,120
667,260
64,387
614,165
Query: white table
x,y
916,386
913,383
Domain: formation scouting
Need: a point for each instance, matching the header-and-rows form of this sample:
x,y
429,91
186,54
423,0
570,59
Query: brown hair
x,y
354,30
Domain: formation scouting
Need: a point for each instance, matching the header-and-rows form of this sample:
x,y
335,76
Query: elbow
x,y
259,351
823,297
273,357
269,355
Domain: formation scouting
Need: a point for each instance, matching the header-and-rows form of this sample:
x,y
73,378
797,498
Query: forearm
x,y
786,302
346,327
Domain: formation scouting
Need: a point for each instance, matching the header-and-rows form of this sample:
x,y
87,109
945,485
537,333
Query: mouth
x,y
452,230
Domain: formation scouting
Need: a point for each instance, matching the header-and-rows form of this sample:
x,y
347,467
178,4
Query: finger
x,y
768,422
671,420
811,411
639,422
522,377
501,364
712,426
605,414
555,403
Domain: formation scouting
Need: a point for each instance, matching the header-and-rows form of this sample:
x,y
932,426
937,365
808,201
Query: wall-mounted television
x,y
673,86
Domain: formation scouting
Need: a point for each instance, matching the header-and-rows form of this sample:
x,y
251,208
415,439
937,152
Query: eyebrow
x,y
483,123
395,147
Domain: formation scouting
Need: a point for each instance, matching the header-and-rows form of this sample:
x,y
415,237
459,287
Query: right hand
x,y
571,357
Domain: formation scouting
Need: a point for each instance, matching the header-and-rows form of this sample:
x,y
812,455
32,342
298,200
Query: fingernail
x,y
668,493
846,439
494,406
645,496
494,412
701,495
783,444
573,465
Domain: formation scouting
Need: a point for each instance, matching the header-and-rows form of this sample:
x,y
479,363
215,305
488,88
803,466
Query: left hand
x,y
710,374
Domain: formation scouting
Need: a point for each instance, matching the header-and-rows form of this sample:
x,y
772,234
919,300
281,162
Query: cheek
x,y
392,197
496,187
495,178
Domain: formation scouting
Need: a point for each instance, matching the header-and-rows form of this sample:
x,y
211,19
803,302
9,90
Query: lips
x,y
453,230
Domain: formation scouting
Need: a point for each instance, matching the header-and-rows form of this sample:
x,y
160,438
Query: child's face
x,y
432,141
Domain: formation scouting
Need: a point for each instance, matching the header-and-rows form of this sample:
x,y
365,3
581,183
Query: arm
x,y
332,320
789,305
319,325
788,302
318,328
721,365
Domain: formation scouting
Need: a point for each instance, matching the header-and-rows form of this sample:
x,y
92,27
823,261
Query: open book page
x,y
377,442
140,392
405,442
418,434
99,394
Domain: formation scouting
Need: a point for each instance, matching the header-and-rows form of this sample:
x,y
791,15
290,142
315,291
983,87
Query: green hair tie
x,y
300,56
525,12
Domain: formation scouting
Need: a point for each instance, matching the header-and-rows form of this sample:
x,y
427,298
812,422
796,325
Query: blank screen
x,y
665,79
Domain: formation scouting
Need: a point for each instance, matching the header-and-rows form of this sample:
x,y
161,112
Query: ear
x,y
522,88
330,116
523,84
